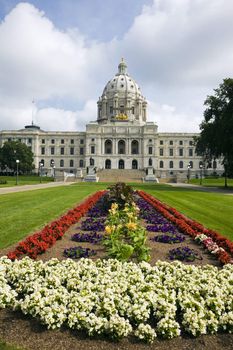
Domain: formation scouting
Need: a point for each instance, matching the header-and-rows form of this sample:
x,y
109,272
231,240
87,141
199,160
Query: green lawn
x,y
25,212
216,182
24,180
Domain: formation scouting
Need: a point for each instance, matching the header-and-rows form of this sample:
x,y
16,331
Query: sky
x,y
56,57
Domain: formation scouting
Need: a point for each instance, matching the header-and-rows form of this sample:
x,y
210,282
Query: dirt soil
x,y
24,331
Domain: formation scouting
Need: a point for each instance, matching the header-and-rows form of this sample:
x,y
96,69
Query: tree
x,y
216,137
13,150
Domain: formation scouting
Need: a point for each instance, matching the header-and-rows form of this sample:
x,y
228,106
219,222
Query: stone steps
x,y
120,175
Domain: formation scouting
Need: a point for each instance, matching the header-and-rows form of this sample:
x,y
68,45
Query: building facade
x,y
120,138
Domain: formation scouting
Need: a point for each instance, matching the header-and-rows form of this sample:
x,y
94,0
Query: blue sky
x,y
61,53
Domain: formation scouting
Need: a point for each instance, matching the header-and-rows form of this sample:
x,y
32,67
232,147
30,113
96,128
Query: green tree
x,y
216,137
13,150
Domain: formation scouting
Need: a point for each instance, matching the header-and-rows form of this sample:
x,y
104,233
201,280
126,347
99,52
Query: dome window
x,y
132,86
122,78
112,86
122,85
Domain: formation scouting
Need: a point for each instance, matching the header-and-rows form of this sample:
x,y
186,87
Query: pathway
x,y
202,188
23,188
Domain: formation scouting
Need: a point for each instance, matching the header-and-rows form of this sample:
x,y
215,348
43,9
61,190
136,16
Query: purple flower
x,y
78,252
92,237
183,254
177,238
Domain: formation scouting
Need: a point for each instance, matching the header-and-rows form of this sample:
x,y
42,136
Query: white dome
x,y
122,84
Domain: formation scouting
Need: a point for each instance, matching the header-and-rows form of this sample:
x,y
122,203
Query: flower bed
x,y
118,299
39,242
223,248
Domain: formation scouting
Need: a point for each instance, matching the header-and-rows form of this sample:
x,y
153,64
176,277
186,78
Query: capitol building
x,y
120,139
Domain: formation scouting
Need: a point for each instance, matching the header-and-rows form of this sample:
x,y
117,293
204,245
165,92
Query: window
x,y
71,150
190,143
92,149
161,164
72,141
132,110
62,150
111,110
121,147
92,140
134,147
81,151
161,151
150,162
191,164
81,142
42,162
181,152
29,140
52,141
61,163
108,147
62,141
71,163
181,143
42,150
190,152
52,150
161,142
181,164
150,140
43,141
150,150
9,140
170,152
171,142
81,163
171,164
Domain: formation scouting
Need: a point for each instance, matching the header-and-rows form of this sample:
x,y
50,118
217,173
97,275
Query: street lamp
x,y
201,167
17,171
41,166
189,167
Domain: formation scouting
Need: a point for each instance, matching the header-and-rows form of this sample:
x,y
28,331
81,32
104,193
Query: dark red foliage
x,y
39,242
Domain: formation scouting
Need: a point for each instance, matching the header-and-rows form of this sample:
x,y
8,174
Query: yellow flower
x,y
131,225
108,229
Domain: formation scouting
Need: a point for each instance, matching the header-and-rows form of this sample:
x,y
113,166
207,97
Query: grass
x,y
215,182
24,180
25,212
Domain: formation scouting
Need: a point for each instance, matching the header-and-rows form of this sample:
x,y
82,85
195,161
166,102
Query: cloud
x,y
177,50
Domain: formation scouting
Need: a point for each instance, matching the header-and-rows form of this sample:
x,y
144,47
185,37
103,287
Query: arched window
x,y
92,162
134,164
121,164
191,164
81,164
61,163
161,164
121,147
107,164
42,162
108,147
134,147
171,164
150,162
71,163
181,164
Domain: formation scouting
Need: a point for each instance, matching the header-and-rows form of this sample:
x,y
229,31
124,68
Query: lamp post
x,y
188,176
17,171
41,166
201,167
